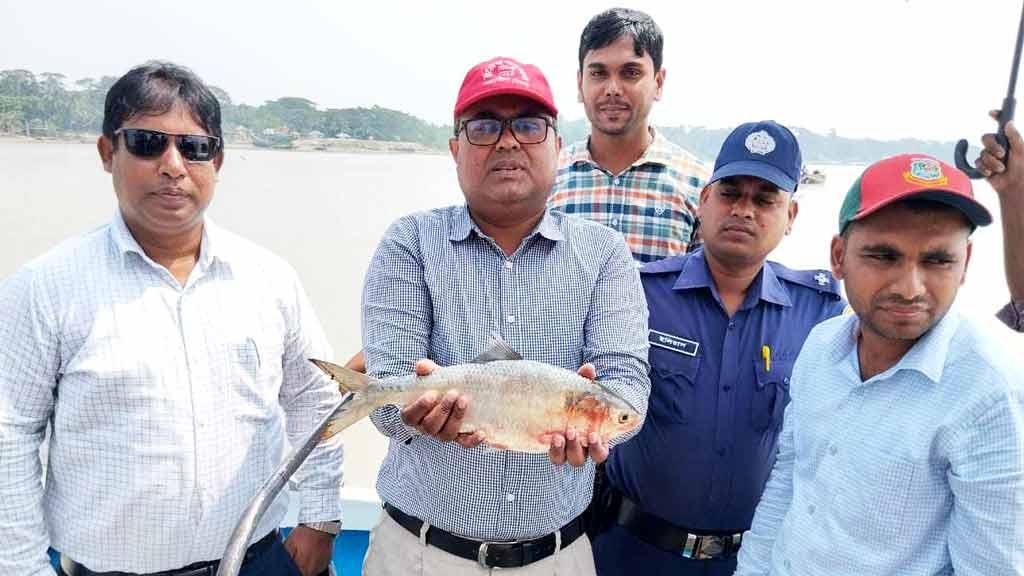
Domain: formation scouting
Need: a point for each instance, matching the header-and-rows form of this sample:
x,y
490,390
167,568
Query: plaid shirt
x,y
646,202
437,287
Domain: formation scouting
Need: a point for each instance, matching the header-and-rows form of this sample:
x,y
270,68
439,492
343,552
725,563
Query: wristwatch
x,y
331,527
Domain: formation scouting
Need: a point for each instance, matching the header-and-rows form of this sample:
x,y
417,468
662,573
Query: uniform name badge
x,y
673,343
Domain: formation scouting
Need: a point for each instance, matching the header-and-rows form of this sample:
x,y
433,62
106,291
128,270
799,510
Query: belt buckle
x,y
703,547
481,555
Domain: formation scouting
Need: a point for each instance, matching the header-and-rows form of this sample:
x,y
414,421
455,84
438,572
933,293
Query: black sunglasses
x,y
150,144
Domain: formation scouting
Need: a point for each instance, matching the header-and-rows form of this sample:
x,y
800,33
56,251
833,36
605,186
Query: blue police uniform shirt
x,y
708,444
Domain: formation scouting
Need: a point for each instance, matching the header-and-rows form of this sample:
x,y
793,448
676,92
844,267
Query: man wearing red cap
x,y
902,451
557,289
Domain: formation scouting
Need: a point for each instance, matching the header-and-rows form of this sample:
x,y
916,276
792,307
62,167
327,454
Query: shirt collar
x,y
462,224
659,151
927,356
211,247
766,285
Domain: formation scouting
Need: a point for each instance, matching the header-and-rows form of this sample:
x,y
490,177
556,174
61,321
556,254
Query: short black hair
x,y
610,25
152,89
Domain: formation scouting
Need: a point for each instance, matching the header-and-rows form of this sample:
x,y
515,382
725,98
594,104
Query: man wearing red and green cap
x,y
902,450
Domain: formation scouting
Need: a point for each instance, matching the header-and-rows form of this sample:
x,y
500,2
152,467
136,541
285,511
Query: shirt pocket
x,y
254,371
673,385
770,395
871,502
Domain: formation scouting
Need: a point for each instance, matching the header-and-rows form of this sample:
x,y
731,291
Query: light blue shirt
x,y
917,471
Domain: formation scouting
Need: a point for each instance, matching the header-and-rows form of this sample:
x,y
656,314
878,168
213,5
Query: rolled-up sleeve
x,y
1013,315
29,365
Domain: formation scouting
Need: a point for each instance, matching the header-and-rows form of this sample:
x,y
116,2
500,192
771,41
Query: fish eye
x,y
623,418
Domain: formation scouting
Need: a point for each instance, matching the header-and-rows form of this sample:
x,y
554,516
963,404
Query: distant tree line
x,y
48,104
816,148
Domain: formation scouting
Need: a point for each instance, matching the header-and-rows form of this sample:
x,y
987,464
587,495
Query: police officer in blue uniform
x,y
725,328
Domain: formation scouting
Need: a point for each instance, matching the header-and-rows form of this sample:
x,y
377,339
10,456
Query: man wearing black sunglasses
x,y
161,349
558,289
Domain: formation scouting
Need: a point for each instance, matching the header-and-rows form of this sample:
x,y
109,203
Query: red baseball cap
x,y
504,76
911,176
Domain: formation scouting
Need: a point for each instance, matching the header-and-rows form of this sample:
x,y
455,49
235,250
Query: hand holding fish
x,y
569,447
439,416
499,399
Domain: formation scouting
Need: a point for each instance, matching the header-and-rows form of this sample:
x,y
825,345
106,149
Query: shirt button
x,y
726,387
508,264
787,565
810,509
732,325
615,221
510,319
510,497
832,449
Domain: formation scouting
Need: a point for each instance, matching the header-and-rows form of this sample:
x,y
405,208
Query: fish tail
x,y
359,408
348,380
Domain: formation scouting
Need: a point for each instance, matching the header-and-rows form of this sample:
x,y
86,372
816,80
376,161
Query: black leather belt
x,y
490,554
208,568
671,538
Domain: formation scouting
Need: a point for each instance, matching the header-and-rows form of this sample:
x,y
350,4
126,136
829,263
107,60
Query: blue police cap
x,y
764,149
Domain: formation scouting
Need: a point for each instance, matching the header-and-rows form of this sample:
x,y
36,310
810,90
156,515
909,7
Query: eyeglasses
x,y
487,131
150,144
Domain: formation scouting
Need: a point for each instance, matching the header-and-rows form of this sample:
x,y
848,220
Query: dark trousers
x,y
274,562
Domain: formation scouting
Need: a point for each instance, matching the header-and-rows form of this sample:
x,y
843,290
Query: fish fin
x,y
497,349
616,395
348,380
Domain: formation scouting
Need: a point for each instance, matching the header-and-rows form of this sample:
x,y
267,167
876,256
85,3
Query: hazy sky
x,y
876,68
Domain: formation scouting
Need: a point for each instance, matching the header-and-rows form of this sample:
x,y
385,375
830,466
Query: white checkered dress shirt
x,y
917,471
437,288
165,402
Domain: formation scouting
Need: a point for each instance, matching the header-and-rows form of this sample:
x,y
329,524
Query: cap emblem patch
x,y
504,71
760,142
925,172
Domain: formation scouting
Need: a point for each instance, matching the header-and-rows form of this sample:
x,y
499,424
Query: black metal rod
x,y
1016,57
1005,113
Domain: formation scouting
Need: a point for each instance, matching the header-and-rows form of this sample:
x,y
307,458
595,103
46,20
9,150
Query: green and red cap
x,y
911,176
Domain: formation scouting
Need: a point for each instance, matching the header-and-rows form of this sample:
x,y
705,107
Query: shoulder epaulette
x,y
820,280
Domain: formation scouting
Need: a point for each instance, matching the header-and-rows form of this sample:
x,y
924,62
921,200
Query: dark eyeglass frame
x,y
145,143
507,123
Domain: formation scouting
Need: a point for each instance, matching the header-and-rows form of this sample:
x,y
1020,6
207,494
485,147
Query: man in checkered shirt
x,y
626,175
558,289
168,357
